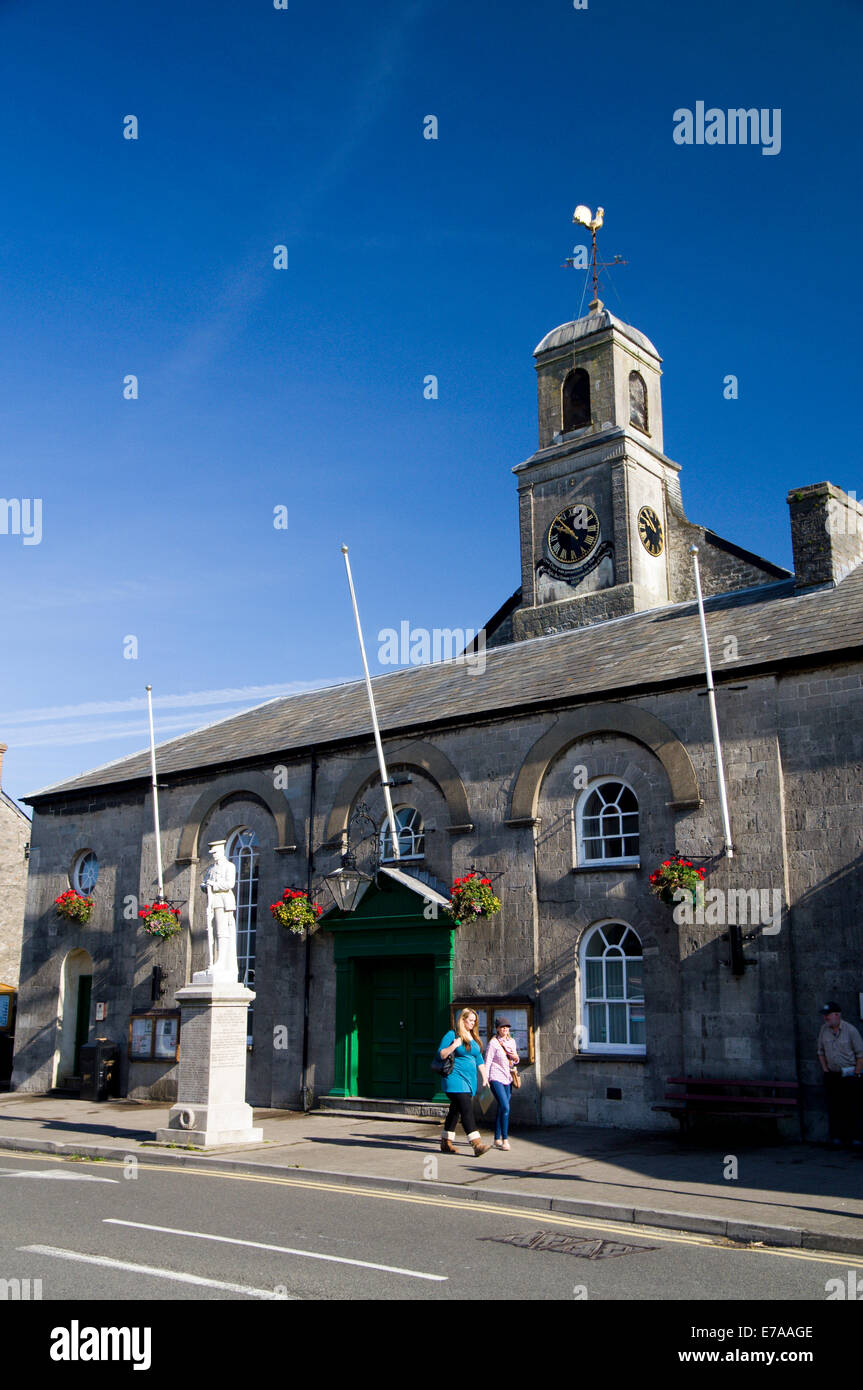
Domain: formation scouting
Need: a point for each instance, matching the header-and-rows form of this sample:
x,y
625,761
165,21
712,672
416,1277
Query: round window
x,y
85,873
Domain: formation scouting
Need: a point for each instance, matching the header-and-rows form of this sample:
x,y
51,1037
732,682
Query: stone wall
x,y
793,746
820,745
14,839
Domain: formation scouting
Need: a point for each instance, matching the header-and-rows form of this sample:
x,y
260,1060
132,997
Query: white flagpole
x,y
711,696
394,830
155,796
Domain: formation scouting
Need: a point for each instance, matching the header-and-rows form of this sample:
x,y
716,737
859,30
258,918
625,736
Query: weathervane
x,y
585,218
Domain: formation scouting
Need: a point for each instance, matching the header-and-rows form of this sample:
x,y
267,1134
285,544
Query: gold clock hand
x,y
562,526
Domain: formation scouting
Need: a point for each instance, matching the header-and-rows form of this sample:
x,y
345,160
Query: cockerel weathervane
x,y
585,218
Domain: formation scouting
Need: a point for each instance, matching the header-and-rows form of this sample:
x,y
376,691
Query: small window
x,y
606,821
85,873
410,832
576,400
612,990
638,401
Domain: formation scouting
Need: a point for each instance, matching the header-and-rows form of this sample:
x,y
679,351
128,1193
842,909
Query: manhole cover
x,y
561,1244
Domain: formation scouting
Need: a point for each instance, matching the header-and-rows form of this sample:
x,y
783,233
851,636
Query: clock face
x,y
650,531
573,534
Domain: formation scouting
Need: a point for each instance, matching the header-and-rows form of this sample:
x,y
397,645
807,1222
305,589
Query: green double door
x,y
396,1017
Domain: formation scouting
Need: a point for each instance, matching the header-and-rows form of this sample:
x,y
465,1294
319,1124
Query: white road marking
x,y
176,1275
279,1249
56,1177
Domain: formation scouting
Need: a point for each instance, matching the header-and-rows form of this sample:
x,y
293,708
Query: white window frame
x,y
246,931
418,836
579,854
600,1048
79,861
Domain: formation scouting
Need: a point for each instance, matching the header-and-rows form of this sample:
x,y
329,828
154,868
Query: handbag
x,y
443,1067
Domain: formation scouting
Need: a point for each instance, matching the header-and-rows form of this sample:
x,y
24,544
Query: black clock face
x,y
573,534
650,531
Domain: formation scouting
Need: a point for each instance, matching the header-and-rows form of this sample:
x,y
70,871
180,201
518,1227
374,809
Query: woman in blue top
x,y
461,1084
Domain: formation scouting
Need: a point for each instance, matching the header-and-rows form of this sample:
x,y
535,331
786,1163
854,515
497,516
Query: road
x,y
105,1230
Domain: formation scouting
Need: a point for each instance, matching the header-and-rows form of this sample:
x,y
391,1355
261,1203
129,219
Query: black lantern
x,y
347,884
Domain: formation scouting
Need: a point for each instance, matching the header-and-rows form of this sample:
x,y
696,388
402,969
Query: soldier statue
x,y
218,883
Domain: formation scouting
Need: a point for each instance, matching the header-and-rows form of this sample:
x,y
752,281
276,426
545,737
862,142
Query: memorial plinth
x,y
211,1093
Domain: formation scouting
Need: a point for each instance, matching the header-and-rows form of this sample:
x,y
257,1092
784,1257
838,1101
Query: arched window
x,y
85,872
242,850
638,401
612,990
410,832
606,821
575,400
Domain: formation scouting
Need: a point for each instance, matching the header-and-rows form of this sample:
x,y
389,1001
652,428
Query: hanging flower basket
x,y
296,911
472,897
672,876
160,919
74,907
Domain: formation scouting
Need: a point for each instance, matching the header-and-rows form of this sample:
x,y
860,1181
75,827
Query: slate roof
x,y
7,801
567,333
659,647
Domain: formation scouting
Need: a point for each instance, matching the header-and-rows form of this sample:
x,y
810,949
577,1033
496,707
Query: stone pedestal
x,y
211,1095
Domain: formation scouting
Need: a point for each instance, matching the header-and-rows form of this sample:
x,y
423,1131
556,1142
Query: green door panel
x,y
400,1042
422,1036
82,1017
387,1076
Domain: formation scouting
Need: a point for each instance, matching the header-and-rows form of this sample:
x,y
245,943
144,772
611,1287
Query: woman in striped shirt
x,y
500,1058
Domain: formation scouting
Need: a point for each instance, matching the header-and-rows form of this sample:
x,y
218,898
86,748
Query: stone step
x,y
70,1086
373,1107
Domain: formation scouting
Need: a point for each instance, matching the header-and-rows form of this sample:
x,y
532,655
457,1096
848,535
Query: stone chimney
x,y
4,748
826,534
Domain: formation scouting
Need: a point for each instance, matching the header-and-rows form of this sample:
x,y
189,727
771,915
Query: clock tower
x,y
594,498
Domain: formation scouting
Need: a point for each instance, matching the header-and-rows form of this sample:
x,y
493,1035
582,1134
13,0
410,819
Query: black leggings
x,y
460,1108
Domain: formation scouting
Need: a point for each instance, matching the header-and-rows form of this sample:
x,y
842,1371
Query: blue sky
x,y
303,388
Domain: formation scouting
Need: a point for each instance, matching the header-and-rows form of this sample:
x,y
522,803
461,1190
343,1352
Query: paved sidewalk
x,y
784,1194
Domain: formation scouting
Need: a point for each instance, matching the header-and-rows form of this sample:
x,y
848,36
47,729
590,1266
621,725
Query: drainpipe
x,y
308,944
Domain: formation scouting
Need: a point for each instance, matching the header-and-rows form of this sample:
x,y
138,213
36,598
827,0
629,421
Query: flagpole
x,y
155,796
711,696
383,767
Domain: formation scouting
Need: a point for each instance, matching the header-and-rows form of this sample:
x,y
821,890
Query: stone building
x,y
14,846
566,759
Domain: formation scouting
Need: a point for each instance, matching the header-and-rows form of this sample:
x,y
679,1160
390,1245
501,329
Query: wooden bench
x,y
701,1095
